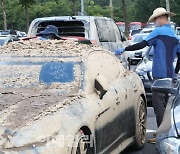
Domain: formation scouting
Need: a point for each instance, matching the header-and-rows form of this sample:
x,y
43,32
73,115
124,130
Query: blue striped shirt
x,y
166,45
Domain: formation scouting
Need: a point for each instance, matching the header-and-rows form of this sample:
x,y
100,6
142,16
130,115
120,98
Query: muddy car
x,y
64,97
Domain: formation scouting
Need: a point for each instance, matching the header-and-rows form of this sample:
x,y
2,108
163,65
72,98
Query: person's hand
x,y
119,51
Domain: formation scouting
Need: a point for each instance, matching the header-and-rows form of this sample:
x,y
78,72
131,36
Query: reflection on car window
x,y
106,30
135,32
139,38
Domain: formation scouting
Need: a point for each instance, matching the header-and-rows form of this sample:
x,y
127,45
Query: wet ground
x,y
151,127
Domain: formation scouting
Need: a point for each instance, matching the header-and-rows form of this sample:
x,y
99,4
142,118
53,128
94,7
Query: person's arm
x,y
149,41
137,46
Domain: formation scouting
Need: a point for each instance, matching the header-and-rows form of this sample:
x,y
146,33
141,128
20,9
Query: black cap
x,y
50,29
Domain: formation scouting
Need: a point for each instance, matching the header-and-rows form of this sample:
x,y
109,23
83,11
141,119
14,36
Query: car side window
x,y
117,31
102,63
106,32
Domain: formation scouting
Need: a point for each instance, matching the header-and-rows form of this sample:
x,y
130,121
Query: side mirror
x,y
164,86
101,85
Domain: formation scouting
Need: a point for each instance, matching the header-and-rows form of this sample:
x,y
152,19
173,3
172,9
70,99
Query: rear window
x,y
65,28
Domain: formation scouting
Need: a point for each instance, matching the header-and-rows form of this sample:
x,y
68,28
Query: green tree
x,y
125,17
26,4
175,7
4,15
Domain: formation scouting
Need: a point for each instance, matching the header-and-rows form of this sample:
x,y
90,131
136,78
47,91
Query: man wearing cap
x,y
166,46
50,33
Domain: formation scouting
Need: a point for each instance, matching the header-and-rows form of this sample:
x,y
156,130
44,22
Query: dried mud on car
x,y
19,104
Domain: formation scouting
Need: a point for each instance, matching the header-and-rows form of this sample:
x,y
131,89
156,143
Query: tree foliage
x,y
137,10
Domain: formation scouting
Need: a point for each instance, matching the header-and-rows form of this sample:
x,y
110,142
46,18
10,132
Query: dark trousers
x,y
159,102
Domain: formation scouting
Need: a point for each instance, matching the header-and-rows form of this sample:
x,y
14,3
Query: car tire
x,y
140,136
85,144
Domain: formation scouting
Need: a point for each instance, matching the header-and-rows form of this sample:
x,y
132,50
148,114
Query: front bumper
x,y
46,149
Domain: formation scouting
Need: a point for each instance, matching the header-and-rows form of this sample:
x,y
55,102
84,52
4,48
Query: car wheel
x,y
140,136
84,145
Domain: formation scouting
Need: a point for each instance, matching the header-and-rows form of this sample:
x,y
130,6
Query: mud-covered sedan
x,y
61,97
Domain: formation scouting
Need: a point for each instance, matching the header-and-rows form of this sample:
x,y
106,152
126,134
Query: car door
x,y
112,121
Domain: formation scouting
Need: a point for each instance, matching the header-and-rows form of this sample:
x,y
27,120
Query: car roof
x,y
87,18
147,29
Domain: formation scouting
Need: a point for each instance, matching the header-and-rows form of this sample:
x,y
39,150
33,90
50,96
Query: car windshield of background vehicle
x,y
2,41
135,26
139,38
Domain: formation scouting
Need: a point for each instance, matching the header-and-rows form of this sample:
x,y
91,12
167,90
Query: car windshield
x,y
5,32
139,38
135,32
33,73
2,41
135,26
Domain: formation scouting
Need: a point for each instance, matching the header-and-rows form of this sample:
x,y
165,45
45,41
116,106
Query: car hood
x,y
176,112
20,106
25,113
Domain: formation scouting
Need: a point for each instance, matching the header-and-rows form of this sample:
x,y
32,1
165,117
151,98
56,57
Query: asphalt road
x,y
151,127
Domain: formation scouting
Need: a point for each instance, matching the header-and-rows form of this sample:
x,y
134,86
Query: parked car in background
x,y
5,39
178,31
133,32
136,25
121,26
69,99
99,30
147,30
133,57
12,34
173,25
150,25
168,134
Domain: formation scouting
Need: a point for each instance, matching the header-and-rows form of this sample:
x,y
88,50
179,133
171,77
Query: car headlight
x,y
171,146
